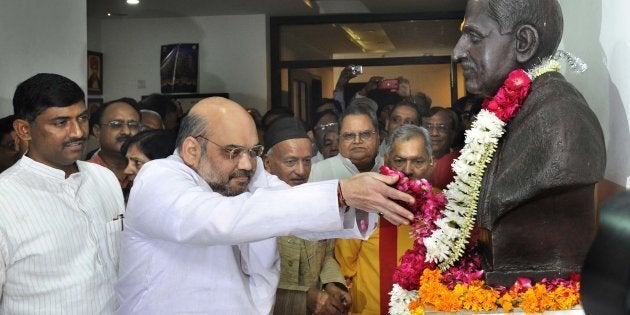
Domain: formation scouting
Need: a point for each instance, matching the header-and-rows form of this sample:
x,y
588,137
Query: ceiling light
x,y
133,1
370,37
109,14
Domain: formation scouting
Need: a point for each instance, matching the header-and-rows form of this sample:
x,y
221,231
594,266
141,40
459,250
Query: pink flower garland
x,y
508,100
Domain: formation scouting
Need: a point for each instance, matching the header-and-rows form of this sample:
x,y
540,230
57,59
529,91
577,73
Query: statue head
x,y
499,36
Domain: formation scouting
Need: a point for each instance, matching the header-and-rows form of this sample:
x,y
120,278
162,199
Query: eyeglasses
x,y
118,124
329,126
363,135
441,128
236,151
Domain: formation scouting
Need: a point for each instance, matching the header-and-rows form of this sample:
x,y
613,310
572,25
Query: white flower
x,y
400,299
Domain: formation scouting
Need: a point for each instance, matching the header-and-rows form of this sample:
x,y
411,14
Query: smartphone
x,y
389,85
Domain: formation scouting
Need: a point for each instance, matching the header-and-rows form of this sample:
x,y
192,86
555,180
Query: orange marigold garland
x,y
477,296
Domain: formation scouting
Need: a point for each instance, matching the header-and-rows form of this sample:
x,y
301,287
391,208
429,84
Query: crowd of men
x,y
240,213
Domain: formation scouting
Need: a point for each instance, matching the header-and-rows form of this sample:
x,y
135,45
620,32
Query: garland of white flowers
x,y
446,244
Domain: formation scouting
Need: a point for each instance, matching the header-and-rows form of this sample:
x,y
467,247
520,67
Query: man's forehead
x,y
401,147
476,12
404,110
118,108
441,117
356,121
77,108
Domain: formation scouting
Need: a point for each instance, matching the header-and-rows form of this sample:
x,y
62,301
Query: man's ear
x,y
527,43
190,152
266,162
96,130
22,129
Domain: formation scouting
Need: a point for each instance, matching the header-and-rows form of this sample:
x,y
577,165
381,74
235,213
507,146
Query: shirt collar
x,y
47,171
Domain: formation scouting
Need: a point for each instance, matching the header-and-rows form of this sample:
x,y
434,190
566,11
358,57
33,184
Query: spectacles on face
x,y
325,127
441,128
236,151
118,124
363,135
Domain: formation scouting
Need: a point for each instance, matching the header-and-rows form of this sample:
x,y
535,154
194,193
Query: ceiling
x,y
404,38
181,8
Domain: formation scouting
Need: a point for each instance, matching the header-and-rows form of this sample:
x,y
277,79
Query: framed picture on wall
x,y
179,68
95,73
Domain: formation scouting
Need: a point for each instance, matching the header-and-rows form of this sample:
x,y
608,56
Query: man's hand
x,y
371,85
404,87
344,77
340,295
370,192
321,302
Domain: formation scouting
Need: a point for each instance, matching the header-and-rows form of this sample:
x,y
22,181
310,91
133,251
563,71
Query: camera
x,y
356,70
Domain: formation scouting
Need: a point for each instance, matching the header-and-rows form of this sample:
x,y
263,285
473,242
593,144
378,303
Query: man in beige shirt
x,y
310,279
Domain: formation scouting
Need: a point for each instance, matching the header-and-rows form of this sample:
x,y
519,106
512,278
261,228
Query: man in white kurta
x,y
60,218
58,240
338,166
189,249
358,145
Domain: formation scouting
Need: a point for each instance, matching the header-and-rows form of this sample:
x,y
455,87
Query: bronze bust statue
x,y
536,207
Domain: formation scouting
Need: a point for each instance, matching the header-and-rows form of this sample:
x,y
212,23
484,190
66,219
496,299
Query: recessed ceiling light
x,y
133,1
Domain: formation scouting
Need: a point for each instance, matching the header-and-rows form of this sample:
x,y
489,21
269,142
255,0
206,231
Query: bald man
x,y
200,224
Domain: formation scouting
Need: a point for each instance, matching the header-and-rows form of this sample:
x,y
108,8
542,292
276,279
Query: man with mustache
x,y
536,204
59,216
310,279
358,148
200,225
115,122
442,124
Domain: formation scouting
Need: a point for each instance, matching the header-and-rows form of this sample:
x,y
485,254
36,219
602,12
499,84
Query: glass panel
x,y
431,79
368,40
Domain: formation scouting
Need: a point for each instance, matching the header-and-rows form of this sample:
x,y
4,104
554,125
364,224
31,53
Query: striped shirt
x,y
58,240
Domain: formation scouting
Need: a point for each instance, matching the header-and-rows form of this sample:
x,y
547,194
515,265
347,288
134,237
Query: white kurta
x,y
187,249
338,167
58,241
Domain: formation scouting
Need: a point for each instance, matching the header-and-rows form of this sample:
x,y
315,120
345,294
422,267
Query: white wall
x,y
604,44
41,36
232,55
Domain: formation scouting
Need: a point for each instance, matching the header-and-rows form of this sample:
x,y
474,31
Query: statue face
x,y
486,55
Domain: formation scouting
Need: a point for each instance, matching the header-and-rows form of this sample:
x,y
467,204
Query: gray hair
x,y
359,109
192,125
405,133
